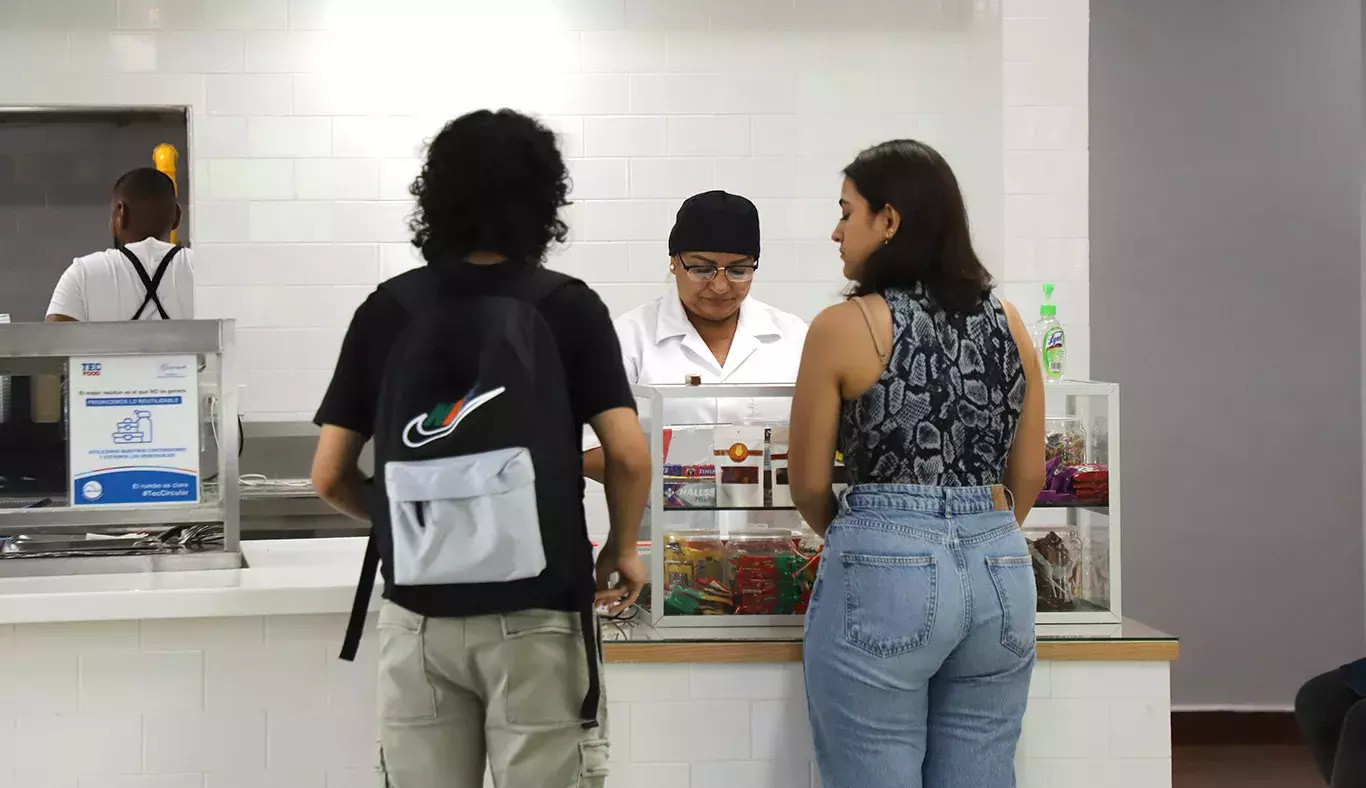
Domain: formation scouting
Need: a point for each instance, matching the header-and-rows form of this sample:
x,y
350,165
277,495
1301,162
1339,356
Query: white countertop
x,y
285,577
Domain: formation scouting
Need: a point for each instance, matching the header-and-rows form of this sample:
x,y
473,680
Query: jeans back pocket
x,y
890,602
1013,576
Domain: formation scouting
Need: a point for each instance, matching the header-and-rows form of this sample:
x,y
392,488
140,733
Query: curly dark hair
x,y
933,247
492,182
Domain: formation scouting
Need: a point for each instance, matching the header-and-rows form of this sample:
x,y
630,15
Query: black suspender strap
x,y
151,283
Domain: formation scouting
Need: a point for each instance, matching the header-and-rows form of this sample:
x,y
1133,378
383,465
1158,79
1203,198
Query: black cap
x,y
716,222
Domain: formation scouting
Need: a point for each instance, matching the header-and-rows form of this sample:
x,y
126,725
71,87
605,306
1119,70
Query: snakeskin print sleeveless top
x,y
945,410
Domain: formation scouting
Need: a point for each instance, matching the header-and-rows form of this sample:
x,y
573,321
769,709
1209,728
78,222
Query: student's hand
x,y
631,577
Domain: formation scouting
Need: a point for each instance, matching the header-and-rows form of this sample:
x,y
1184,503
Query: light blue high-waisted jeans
x,y
920,640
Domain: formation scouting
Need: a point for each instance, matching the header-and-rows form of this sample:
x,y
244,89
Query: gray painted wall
x,y
1226,280
56,172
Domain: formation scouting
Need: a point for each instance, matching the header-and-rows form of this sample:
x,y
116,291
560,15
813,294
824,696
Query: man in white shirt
x,y
144,276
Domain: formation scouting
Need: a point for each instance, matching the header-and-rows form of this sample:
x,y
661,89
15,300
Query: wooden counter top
x,y
1050,650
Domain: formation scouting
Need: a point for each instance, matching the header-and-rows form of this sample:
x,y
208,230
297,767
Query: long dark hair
x,y
933,246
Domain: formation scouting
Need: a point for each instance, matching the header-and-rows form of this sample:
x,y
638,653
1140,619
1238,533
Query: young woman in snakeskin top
x,y
920,634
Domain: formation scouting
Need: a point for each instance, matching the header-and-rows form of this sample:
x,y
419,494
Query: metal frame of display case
x,y
1073,399
43,349
1067,398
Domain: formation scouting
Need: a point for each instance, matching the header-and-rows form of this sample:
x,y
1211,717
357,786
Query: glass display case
x,y
727,547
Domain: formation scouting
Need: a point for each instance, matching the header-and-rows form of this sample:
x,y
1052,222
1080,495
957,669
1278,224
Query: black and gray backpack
x,y
476,505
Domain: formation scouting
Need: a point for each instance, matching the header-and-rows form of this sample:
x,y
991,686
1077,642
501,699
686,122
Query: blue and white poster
x,y
134,430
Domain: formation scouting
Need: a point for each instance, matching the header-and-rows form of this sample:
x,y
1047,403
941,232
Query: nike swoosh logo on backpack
x,y
416,435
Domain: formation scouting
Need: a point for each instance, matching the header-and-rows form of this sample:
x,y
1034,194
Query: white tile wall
x,y
308,116
265,703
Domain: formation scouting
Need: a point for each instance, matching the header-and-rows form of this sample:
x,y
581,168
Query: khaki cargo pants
x,y
506,689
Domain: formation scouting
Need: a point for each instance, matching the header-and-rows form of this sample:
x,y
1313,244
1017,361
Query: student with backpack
x,y
475,376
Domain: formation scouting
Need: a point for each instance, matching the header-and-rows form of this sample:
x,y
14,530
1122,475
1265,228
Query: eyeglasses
x,y
706,272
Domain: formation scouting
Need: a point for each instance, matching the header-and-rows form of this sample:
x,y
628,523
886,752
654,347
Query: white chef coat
x,y
104,286
660,346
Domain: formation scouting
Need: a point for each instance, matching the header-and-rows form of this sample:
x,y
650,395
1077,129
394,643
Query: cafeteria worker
x,y
707,327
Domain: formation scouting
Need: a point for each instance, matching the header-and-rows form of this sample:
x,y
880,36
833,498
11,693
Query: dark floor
x,y
1261,766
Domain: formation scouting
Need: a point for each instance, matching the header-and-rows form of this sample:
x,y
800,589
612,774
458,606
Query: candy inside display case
x,y
729,549
1073,532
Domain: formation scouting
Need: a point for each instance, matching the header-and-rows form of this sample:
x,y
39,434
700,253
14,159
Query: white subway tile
x,y
1066,215
336,179
1024,39
395,259
361,778
289,137
780,730
1130,680
775,135
650,262
67,15
290,394
656,775
159,14
311,307
246,14
243,304
369,92
371,222
144,681
273,779
625,136
323,628
676,94
396,177
107,743
619,732
817,261
758,177
645,683
568,132
1045,128
382,137
1025,215
618,52
250,179
307,739
1066,729
725,736
753,15
282,348
170,634
625,220
747,682
286,264
249,94
40,681
33,50
1140,728
86,636
290,221
199,53
1061,259
143,781
578,94
601,261
796,220
782,773
708,135
1135,773
278,52
113,52
1041,681
218,136
622,298
200,742
1071,298
598,179
668,15
670,178
252,678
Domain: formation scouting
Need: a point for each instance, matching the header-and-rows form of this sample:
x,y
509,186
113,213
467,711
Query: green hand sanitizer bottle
x,y
1050,339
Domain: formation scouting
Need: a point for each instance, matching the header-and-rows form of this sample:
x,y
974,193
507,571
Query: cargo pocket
x,y
1013,576
547,667
468,519
405,693
890,602
593,758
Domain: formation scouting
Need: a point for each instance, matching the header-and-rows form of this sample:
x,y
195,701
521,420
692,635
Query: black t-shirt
x,y
577,317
